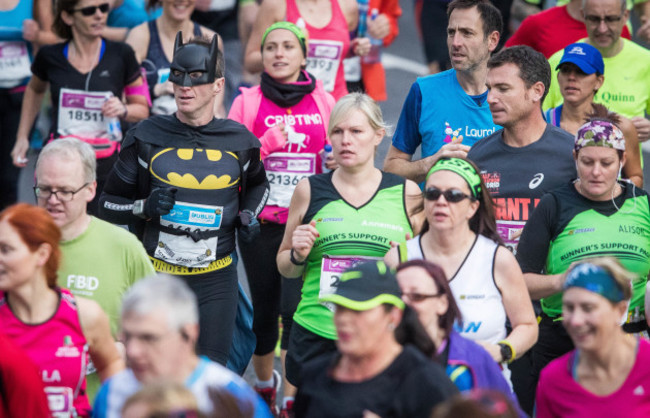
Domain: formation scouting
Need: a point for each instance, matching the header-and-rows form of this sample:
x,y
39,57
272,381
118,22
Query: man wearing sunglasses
x,y
187,182
626,89
522,161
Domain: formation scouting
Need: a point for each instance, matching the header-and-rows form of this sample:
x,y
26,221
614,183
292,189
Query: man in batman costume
x,y
186,182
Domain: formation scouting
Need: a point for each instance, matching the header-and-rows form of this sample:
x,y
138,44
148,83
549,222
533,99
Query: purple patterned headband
x,y
599,133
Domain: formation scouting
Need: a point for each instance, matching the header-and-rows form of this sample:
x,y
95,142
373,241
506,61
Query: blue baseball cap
x,y
585,56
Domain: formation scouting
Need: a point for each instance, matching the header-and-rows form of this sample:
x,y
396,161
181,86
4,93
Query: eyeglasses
x,y
419,297
451,195
91,10
44,193
609,20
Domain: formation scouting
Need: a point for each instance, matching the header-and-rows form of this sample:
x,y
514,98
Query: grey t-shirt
x,y
517,177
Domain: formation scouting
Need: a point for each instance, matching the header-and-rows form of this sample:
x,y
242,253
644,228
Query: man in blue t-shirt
x,y
446,113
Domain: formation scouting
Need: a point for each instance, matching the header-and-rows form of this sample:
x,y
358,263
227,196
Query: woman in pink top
x,y
328,24
56,330
607,375
289,112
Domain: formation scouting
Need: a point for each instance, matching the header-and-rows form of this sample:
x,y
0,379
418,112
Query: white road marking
x,y
391,61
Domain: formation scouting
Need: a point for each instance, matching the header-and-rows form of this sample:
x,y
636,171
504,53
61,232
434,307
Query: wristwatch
x,y
506,352
138,208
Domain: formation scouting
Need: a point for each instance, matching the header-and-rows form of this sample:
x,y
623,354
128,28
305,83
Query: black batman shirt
x,y
206,164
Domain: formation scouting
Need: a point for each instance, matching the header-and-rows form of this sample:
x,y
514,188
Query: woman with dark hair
x,y
86,76
581,73
461,237
57,330
594,215
153,43
372,371
426,290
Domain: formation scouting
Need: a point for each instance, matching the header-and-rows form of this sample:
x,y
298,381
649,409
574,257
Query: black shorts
x,y
434,23
304,346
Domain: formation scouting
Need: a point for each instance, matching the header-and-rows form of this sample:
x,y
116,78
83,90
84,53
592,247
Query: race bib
x,y
80,114
182,250
61,401
332,267
284,170
14,63
510,231
323,60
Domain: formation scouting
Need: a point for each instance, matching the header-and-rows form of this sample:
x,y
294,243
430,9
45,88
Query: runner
x,y
594,215
373,372
461,237
338,219
187,199
328,25
86,76
58,331
153,43
607,373
289,113
446,113
581,75
20,34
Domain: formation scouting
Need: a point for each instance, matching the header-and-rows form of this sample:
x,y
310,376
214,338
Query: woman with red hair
x,y
58,331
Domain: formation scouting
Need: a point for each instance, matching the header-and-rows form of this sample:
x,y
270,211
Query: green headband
x,y
302,39
463,169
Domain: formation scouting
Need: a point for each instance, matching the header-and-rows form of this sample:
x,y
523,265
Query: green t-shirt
x,y
626,89
346,232
102,264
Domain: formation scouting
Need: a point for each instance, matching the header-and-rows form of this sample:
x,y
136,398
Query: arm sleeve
x,y
100,407
407,134
542,407
40,65
257,186
116,201
532,250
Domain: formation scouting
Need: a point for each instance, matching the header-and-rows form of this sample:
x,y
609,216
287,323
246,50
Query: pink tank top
x,y
299,158
58,347
328,46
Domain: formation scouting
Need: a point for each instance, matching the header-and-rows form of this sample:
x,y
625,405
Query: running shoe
x,y
270,394
287,411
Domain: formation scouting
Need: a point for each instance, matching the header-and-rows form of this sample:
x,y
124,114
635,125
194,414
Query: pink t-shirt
x,y
328,46
299,158
58,348
559,395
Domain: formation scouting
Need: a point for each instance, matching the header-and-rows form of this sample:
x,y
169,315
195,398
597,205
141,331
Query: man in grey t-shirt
x,y
522,161
528,157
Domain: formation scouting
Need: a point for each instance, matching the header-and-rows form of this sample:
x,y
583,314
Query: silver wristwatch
x,y
138,208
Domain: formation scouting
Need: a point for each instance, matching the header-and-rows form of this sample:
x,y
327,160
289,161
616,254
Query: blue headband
x,y
595,279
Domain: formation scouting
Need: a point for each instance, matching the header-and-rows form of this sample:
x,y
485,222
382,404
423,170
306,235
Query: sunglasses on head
x,y
91,10
451,195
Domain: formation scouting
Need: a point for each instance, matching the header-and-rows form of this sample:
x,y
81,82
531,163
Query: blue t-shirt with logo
x,y
437,111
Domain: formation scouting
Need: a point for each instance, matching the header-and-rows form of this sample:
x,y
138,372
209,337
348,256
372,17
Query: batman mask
x,y
193,64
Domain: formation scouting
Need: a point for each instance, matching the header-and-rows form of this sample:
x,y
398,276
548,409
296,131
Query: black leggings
x,y
9,118
217,295
272,294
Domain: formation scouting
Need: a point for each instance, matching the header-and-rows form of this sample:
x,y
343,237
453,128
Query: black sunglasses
x,y
451,195
91,10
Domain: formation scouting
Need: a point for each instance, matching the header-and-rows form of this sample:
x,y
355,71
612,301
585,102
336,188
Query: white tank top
x,y
475,291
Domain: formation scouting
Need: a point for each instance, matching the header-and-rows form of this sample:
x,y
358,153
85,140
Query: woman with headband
x,y
607,374
594,215
461,237
289,112
581,73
